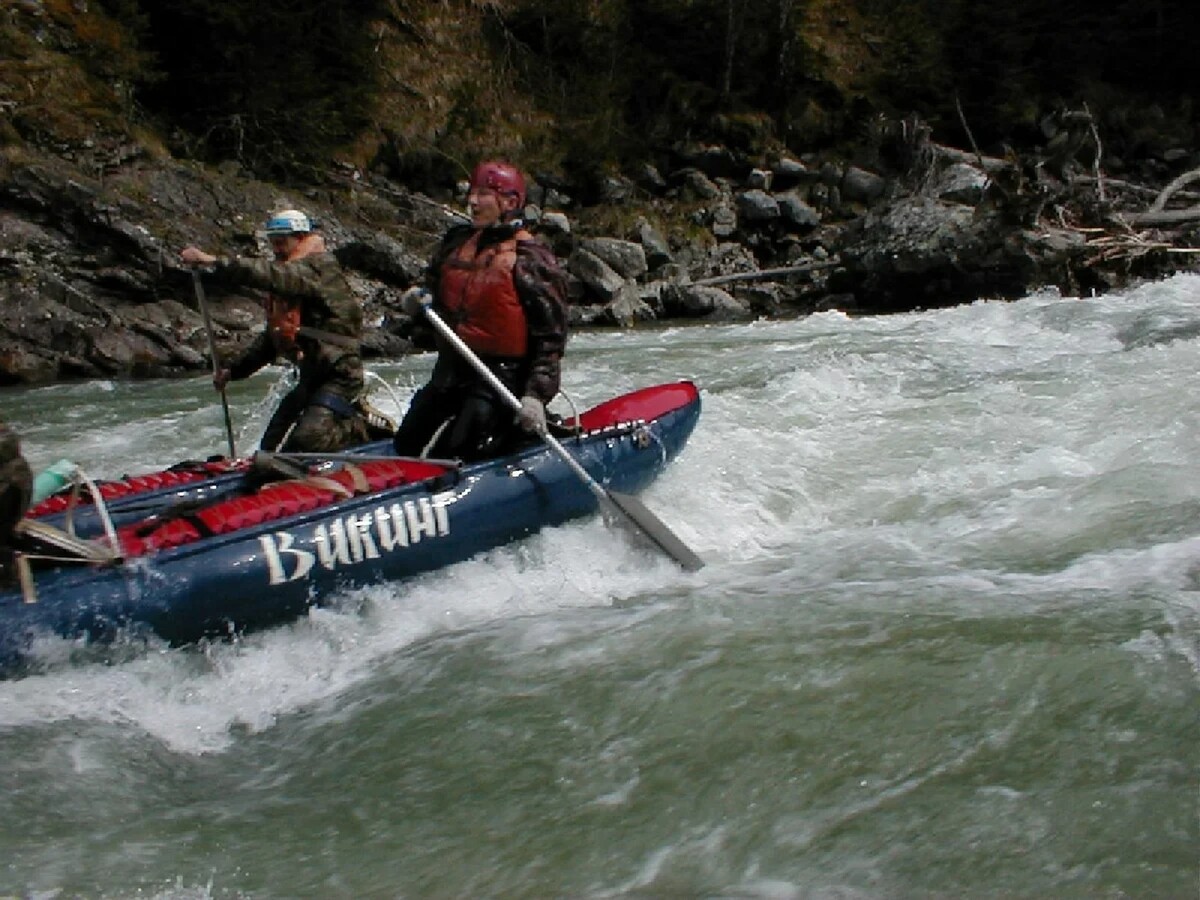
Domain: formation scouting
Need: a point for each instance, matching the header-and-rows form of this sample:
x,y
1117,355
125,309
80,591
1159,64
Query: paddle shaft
x,y
362,457
624,508
508,397
212,351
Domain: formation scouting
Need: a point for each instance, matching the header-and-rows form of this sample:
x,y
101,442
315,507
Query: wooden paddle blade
x,y
655,529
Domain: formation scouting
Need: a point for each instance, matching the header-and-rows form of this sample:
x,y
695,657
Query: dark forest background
x,y
283,86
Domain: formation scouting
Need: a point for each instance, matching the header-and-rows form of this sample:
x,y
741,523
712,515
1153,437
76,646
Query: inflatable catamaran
x,y
216,548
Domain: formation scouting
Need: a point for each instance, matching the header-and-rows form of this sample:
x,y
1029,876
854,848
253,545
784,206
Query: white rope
x,y
391,393
574,410
102,510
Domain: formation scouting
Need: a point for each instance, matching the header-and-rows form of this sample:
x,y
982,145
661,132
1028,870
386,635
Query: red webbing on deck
x,y
138,484
273,501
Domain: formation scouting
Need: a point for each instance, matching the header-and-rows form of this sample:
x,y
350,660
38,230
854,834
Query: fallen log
x,y
765,274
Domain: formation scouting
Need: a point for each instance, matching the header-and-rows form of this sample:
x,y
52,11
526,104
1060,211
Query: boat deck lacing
x,y
71,548
275,500
176,476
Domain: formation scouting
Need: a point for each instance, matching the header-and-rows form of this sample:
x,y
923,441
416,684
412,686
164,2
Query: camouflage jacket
x,y
327,306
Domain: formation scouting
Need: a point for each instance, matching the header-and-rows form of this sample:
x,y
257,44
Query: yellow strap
x,y
61,540
25,576
361,485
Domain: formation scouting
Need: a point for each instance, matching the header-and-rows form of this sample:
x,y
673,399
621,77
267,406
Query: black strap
x,y
335,402
328,337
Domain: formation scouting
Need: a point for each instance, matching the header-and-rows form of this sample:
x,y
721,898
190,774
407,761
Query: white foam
x,y
1002,450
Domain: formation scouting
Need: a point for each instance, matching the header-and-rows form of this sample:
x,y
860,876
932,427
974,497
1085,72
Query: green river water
x,y
947,644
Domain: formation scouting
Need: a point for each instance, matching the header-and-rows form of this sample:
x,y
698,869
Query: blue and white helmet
x,y
287,222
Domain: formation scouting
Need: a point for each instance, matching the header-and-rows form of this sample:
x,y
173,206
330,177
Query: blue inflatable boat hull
x,y
257,575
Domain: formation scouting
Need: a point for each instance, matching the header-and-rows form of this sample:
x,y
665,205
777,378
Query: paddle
x,y
216,361
622,507
360,457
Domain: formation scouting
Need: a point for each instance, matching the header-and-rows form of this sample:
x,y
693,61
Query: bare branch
x,y
1099,152
962,117
1167,192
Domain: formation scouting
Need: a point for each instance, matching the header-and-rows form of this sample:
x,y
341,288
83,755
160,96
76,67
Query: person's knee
x,y
320,431
480,431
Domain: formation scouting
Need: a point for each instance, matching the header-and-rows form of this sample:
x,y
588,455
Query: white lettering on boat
x,y
350,540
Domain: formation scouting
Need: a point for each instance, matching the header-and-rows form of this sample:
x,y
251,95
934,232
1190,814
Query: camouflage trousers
x,y
320,429
16,486
315,422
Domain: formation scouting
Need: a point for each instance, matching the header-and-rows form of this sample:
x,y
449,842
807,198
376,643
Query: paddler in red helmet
x,y
504,294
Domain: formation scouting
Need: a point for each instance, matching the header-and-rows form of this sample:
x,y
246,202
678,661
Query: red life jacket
x,y
477,290
283,322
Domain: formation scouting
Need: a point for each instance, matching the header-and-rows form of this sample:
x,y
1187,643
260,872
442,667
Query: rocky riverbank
x,y
91,285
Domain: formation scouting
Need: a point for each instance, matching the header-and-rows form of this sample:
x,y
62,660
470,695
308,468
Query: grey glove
x,y
414,300
532,415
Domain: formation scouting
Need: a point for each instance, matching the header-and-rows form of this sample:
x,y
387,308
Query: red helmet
x,y
501,177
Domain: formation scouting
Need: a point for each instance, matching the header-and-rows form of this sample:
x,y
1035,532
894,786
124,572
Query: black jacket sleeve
x,y
542,289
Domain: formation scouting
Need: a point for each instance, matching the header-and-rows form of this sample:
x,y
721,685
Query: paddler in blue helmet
x,y
314,321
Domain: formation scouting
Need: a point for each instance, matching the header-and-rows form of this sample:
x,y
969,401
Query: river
x,y
947,644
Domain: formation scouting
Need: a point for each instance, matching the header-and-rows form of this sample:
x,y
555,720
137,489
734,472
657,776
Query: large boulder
x,y
598,276
691,301
626,258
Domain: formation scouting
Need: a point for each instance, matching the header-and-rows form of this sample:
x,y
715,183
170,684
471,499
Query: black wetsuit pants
x,y
478,424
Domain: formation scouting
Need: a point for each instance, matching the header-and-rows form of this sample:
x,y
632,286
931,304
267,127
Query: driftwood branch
x,y
1134,188
1170,190
1130,245
1165,217
990,164
764,274
1158,214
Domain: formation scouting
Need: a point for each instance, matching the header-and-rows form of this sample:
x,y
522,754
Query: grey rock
x,y
616,189
690,301
759,179
796,213
830,173
597,275
556,224
724,221
654,245
757,207
862,186
625,257
789,173
557,200
651,179
382,257
959,183
698,186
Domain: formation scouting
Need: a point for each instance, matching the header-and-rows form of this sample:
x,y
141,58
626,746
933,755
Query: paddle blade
x,y
654,528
